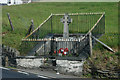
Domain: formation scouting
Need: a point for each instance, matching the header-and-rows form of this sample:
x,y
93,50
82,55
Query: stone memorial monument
x,y
65,41
66,20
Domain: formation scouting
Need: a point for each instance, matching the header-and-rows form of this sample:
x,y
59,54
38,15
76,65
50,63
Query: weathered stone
x,y
62,70
77,73
70,67
66,20
30,63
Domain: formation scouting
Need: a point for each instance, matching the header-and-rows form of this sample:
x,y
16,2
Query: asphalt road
x,y
14,74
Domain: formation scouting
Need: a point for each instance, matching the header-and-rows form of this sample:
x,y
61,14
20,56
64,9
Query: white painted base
x,y
70,67
30,63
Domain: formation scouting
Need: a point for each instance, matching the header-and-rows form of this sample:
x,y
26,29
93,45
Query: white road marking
x,y
4,68
23,72
42,76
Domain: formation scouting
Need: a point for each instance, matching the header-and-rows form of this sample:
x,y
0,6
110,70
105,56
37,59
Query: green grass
x,y
21,16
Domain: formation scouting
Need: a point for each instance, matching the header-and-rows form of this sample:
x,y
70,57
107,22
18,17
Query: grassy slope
x,y
22,14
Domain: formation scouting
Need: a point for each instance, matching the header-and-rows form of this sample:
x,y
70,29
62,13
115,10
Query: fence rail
x,y
81,13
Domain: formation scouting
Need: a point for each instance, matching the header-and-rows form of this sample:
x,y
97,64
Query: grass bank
x,y
21,16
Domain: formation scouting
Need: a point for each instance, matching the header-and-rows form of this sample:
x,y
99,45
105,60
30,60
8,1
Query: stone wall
x,y
70,67
30,63
9,51
63,66
8,55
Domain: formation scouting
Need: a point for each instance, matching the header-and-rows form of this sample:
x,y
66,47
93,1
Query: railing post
x,y
31,29
12,28
90,43
51,23
56,48
6,61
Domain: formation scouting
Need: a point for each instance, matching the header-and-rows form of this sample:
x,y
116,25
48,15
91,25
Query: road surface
x,y
14,74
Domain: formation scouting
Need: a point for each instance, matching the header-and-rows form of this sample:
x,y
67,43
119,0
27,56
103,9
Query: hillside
x,y
21,16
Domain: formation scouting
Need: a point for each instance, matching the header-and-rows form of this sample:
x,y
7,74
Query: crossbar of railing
x,y
53,39
80,13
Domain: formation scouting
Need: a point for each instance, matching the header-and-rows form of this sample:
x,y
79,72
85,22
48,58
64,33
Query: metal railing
x,y
46,42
